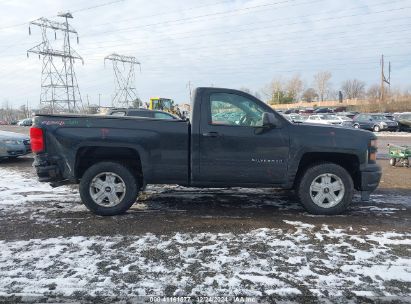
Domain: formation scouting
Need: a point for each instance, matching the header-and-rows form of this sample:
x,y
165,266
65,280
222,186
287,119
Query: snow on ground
x,y
302,260
21,192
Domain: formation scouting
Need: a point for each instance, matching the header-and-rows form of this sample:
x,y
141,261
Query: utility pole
x,y
384,79
125,93
59,87
189,89
99,100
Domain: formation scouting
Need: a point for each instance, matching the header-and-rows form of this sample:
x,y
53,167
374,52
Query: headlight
x,y
384,124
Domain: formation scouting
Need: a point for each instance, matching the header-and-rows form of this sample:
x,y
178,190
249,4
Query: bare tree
x,y
374,92
294,87
322,83
309,95
273,91
353,88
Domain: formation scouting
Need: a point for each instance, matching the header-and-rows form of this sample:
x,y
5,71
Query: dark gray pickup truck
x,y
231,140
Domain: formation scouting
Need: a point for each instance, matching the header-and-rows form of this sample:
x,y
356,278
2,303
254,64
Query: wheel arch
x,y
87,156
349,162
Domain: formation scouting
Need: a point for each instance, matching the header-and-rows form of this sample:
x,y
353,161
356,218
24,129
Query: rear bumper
x,y
370,177
47,170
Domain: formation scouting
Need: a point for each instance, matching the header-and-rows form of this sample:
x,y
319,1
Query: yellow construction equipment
x,y
164,104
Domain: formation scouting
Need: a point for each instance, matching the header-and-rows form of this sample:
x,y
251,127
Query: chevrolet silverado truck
x,y
231,140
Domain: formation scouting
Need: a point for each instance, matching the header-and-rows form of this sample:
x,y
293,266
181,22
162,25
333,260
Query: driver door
x,y
232,151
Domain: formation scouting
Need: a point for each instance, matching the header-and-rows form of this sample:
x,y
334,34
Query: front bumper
x,y
370,177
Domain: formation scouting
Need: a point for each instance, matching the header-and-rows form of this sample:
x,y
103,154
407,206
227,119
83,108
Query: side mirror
x,y
269,120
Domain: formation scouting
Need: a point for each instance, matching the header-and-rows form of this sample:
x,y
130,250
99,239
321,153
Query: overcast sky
x,y
228,43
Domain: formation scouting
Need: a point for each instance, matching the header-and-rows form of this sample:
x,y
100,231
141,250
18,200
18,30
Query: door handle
x,y
211,134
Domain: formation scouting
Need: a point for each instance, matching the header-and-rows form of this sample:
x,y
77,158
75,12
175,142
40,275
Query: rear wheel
x,y
325,188
393,161
108,188
357,126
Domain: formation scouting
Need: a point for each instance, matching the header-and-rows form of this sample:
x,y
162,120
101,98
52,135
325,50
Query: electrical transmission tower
x,y
125,93
59,87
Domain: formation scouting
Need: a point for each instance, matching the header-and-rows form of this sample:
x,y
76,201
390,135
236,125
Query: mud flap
x,y
365,196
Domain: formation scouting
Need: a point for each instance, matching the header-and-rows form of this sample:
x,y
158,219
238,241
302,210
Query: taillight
x,y
37,140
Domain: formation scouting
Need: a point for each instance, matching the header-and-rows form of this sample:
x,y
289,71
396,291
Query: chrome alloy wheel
x,y
327,190
107,189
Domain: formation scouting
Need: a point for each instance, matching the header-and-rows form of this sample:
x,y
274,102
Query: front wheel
x,y
108,188
376,128
326,189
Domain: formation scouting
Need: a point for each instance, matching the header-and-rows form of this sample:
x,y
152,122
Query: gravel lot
x,y
180,241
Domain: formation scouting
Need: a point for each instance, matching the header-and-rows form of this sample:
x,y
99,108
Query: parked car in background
x,y
291,111
142,113
306,111
344,119
340,109
13,145
390,116
27,122
323,110
374,122
3,122
404,121
297,118
324,119
347,114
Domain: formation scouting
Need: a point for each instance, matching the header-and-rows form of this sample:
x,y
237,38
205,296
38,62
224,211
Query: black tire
x,y
393,161
130,192
356,126
311,174
376,128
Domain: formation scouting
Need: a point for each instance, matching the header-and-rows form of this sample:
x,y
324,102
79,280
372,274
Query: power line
x,y
74,11
197,17
97,6
294,23
232,44
247,9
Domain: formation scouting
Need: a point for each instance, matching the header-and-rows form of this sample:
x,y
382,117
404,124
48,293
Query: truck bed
x,y
161,144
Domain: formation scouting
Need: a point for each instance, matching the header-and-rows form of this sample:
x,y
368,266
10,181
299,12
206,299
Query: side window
x,y
162,115
234,110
